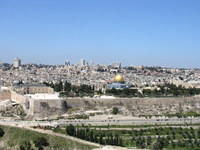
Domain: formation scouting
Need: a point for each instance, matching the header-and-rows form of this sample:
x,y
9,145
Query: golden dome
x,y
118,78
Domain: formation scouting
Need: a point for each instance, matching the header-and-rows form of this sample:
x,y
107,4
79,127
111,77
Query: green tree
x,y
149,140
157,146
1,132
115,110
70,130
58,86
100,139
67,86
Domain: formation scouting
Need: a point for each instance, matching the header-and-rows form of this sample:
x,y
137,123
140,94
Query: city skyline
x,y
86,63
135,33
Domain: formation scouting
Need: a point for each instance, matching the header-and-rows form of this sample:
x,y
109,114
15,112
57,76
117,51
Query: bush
x,y
115,110
26,145
1,132
40,143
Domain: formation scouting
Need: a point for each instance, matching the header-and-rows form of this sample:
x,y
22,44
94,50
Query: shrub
x,y
40,143
26,145
115,110
1,132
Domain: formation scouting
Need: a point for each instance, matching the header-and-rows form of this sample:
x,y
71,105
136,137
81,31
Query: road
x,y
54,123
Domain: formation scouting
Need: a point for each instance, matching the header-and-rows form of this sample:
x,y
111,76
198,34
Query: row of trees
x,y
117,138
123,92
85,133
171,90
156,144
186,133
162,91
167,137
66,89
153,138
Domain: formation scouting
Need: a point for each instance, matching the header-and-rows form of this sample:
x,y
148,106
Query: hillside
x,y
14,137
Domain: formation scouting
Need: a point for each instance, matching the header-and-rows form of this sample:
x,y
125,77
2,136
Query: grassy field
x,y
13,137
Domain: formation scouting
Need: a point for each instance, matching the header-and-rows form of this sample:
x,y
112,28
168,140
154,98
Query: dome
x,y
118,78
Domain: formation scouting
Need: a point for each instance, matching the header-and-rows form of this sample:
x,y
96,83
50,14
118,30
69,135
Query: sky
x,y
134,32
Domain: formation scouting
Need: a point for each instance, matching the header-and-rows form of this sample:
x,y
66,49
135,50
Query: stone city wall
x,y
45,108
18,97
35,107
140,106
5,95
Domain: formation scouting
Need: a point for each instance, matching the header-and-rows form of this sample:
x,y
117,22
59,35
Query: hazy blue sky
x,y
134,32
